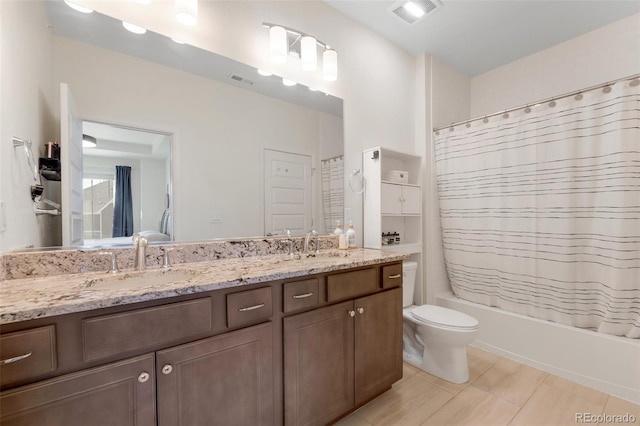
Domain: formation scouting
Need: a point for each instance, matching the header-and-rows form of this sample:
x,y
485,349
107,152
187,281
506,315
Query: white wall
x,y
153,190
605,54
451,91
376,79
26,112
220,132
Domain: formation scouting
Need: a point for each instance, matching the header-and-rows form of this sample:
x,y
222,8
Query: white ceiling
x,y
475,36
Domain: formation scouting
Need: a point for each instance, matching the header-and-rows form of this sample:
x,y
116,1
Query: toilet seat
x,y
443,317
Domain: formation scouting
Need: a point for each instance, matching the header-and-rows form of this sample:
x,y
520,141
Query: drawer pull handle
x,y
167,369
352,314
143,377
251,308
15,359
393,277
302,296
360,310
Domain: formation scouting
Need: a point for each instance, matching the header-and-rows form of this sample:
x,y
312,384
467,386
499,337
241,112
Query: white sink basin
x,y
127,280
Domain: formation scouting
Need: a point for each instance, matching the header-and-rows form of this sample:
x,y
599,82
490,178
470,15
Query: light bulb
x,y
77,7
278,44
330,65
133,28
187,12
309,56
288,82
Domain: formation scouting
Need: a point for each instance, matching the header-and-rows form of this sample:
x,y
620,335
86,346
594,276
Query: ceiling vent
x,y
414,10
239,79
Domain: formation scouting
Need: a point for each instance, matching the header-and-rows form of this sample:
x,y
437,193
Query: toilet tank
x,y
408,282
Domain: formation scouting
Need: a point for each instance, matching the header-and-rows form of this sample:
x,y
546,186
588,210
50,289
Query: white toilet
x,y
435,338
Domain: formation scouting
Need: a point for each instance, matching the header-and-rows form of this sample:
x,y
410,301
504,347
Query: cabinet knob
x,y
352,313
360,310
143,377
167,369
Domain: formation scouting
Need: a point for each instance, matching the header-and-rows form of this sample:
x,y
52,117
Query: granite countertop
x,y
31,298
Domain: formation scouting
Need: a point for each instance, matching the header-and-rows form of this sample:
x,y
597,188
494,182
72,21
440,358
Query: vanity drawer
x,y
144,328
301,294
392,276
249,306
26,354
348,285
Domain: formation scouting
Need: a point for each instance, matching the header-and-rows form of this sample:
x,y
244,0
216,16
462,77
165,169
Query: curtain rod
x,y
566,95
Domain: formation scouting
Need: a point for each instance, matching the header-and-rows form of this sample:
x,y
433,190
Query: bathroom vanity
x,y
261,340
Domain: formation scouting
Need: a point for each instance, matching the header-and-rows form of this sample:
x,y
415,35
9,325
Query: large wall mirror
x,y
236,141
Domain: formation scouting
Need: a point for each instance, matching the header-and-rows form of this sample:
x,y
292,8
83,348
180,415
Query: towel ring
x,y
363,183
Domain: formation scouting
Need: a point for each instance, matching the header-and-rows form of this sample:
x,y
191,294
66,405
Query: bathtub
x,y
607,363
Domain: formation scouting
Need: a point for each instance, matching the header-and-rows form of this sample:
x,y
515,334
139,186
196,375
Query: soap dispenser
x,y
351,236
338,230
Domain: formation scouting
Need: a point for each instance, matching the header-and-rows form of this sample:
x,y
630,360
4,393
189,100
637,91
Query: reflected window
x,y
98,199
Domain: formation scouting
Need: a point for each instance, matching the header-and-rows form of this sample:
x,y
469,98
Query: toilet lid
x,y
439,316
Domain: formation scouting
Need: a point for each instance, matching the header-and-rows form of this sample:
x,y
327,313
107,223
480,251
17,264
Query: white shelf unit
x,y
391,206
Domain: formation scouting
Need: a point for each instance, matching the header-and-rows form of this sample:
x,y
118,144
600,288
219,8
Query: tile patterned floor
x,y
499,392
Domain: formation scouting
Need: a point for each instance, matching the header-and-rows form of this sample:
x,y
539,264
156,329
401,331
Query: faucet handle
x,y
114,264
166,262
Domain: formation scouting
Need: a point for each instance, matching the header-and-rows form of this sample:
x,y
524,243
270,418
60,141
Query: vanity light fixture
x,y
89,141
77,7
187,12
264,73
133,28
286,42
288,82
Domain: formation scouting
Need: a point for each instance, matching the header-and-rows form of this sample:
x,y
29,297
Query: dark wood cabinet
x,y
341,356
318,365
224,380
303,351
378,343
117,394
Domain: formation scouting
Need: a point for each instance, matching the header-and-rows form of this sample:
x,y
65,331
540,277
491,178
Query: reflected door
x,y
71,170
287,192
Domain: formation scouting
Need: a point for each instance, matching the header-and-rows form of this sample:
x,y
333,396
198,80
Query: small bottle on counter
x,y
351,236
338,230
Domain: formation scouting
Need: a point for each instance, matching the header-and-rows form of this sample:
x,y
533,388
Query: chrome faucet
x,y
140,246
288,233
305,248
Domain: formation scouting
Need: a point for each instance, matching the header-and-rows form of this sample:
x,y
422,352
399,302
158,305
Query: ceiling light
x,y
187,12
77,7
330,65
89,141
133,28
264,73
312,89
414,9
309,53
177,41
278,44
285,42
288,82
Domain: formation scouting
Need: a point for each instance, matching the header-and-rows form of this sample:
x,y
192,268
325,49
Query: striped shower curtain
x,y
540,209
332,170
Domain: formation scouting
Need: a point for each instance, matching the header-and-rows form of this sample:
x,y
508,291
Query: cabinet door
x,y
224,380
411,200
390,199
117,394
378,343
318,365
